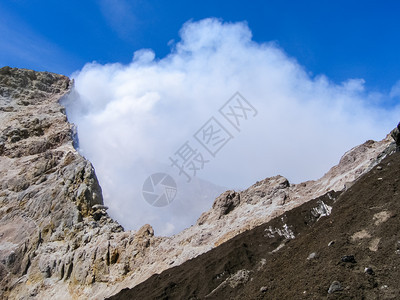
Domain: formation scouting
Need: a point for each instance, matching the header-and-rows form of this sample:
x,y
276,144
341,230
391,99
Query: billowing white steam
x,y
133,118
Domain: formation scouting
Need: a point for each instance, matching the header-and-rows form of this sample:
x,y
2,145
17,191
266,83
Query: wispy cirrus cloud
x,y
395,91
120,16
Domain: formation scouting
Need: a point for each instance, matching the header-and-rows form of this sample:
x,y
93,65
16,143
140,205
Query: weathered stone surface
x,y
335,287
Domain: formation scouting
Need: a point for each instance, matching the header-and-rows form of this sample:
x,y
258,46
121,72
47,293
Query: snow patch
x,y
285,232
322,210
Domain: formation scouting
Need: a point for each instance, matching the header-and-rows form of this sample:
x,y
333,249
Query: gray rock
x,y
335,287
227,202
240,277
312,256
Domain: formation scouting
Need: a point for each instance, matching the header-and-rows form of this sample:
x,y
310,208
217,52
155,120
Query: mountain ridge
x,y
342,245
57,240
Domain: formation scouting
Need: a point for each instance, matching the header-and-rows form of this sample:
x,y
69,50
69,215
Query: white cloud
x,y
132,118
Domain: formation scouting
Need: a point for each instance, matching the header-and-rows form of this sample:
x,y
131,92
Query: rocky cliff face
x,y
56,239
50,199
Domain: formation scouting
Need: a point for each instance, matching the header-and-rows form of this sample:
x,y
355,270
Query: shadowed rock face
x,y
396,135
56,239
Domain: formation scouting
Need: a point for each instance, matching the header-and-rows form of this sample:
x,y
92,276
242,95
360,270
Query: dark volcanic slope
x,y
364,223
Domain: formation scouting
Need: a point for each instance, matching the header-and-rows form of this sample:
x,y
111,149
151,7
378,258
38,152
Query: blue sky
x,y
341,39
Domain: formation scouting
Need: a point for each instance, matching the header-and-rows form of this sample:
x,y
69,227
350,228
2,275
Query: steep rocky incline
x,y
338,246
56,239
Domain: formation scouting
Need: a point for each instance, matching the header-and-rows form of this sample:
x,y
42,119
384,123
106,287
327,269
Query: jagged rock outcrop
x,y
56,239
